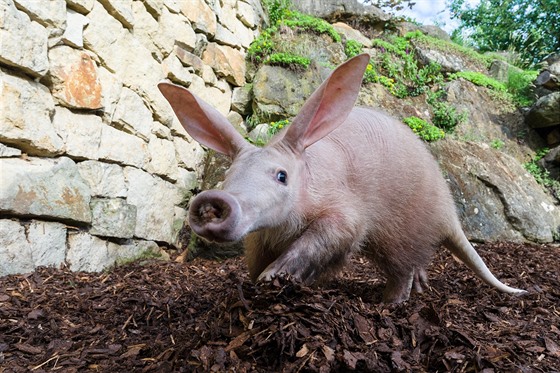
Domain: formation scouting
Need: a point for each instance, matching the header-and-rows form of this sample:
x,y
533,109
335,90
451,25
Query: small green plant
x,y
517,89
423,129
385,46
414,35
262,46
252,121
397,61
497,144
288,60
520,85
426,76
480,80
275,127
277,10
541,175
371,76
307,22
352,48
269,41
445,116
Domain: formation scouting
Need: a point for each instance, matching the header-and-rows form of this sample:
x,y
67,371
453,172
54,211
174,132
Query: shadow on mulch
x,y
207,316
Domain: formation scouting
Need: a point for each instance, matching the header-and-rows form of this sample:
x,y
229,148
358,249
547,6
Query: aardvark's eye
x,y
282,177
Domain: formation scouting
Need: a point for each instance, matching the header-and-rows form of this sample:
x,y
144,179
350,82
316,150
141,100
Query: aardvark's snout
x,y
215,215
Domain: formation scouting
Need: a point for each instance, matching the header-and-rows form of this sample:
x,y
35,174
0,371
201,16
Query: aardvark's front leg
x,y
322,248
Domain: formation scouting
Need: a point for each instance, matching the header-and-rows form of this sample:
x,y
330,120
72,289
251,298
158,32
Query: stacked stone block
x,y
94,167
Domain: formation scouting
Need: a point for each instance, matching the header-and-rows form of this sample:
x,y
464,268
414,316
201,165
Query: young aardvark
x,y
339,180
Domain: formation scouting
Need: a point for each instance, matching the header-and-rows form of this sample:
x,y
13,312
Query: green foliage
x,y
423,129
518,88
401,73
277,10
371,76
541,175
288,60
416,35
397,63
445,116
527,27
385,46
275,127
520,85
352,48
480,80
252,121
307,22
497,144
427,75
268,47
262,46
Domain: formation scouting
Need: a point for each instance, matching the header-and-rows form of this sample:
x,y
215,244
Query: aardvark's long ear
x,y
328,106
204,123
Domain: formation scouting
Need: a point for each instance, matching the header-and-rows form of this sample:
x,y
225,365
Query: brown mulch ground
x,y
206,316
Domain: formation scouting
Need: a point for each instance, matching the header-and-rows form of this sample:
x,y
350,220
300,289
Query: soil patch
x,y
207,316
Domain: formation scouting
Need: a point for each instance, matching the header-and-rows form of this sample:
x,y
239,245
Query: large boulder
x,y
431,30
551,163
280,93
497,199
544,115
448,59
500,70
549,77
491,122
352,11
545,112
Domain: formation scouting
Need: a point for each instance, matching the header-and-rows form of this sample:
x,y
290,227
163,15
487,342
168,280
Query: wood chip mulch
x,y
206,316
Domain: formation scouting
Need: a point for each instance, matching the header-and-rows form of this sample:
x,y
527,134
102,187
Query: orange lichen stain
x,y
82,85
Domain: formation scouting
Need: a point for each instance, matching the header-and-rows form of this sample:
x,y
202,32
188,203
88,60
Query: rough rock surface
x,y
44,188
551,162
28,246
450,62
83,127
337,10
280,93
545,112
26,110
24,42
497,199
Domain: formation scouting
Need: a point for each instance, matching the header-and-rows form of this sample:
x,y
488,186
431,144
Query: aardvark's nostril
x,y
215,215
213,212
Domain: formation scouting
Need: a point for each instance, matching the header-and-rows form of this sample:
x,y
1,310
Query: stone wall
x,y
95,169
